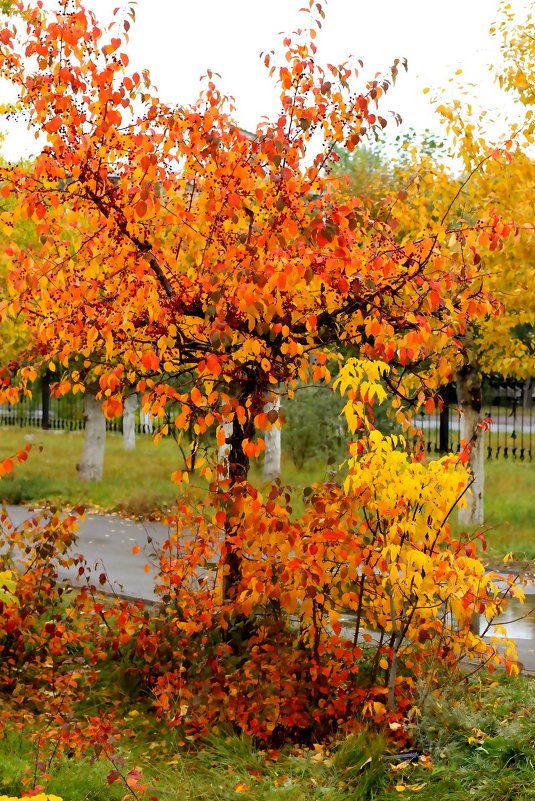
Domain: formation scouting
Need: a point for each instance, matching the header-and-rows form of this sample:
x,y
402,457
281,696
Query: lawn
x,y
510,507
474,741
138,483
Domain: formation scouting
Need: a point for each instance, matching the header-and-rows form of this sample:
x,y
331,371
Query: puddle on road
x,y
518,619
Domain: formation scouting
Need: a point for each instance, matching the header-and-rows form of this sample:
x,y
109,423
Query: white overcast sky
x,y
178,40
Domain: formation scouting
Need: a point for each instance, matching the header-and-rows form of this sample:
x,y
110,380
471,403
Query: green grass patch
x,y
476,741
510,507
72,779
136,482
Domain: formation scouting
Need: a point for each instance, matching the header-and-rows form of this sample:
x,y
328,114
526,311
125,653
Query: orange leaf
x,y
141,208
6,467
213,364
196,396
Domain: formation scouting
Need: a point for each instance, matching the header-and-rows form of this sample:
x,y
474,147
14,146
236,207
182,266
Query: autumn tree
x,y
483,176
498,174
516,75
205,266
173,243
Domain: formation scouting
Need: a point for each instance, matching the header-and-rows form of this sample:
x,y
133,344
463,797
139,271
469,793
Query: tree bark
x,y
444,422
45,400
223,451
272,439
129,421
236,464
91,464
469,395
238,469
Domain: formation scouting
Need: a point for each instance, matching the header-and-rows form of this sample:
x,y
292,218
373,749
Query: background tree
x,y
501,176
313,426
130,406
493,177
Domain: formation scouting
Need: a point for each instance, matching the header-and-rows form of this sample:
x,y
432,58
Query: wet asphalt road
x,y
106,541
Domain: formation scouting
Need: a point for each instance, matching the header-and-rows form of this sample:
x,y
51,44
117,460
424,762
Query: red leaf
x,y
141,208
112,776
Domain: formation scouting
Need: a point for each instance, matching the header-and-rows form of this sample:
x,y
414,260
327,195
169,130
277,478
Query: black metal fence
x,y
509,405
45,410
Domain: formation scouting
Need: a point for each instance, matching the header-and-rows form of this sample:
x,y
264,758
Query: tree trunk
x,y
469,395
236,464
45,400
223,452
92,462
145,419
129,421
272,457
444,422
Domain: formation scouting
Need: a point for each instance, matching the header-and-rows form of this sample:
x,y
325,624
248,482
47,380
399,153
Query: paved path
x,y
106,541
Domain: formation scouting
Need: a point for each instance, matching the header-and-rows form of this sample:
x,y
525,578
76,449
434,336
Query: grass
x,y
481,738
135,482
138,483
510,507
71,780
225,768
476,741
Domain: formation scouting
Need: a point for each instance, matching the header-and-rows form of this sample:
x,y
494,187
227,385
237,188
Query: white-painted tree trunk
x,y
92,462
469,397
129,421
272,439
224,450
145,420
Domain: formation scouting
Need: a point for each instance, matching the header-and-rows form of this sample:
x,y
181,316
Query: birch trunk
x,y
224,450
92,462
129,422
470,401
272,439
145,419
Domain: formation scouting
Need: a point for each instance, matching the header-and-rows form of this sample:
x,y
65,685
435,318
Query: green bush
x,y
314,428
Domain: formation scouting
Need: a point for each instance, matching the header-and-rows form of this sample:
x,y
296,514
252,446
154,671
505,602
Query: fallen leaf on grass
x,y
415,788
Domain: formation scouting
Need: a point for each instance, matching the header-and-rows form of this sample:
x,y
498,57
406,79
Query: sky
x,y
178,40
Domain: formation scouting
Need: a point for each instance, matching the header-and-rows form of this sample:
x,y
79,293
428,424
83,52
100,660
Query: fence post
x,y
444,421
45,400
